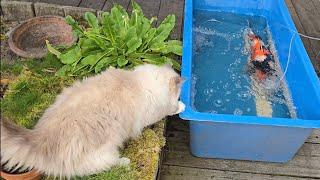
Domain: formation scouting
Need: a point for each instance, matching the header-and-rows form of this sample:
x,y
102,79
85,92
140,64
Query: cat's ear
x,y
178,81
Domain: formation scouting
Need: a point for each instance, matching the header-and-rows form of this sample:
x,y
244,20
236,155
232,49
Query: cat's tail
x,y
16,148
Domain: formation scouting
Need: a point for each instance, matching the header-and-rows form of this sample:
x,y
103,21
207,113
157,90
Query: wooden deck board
x,y
189,173
109,4
172,7
60,2
94,4
150,8
300,28
309,16
300,166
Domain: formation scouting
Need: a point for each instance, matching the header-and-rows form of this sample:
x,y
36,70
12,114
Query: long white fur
x,y
80,133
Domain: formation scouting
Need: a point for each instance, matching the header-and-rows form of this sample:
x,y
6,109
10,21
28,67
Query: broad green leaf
x,y
98,39
122,61
103,63
147,38
150,56
78,68
52,49
63,71
91,59
107,27
75,26
71,56
119,17
157,60
135,6
157,47
144,28
136,15
164,30
132,40
118,40
136,62
87,45
133,45
174,46
173,62
171,46
91,19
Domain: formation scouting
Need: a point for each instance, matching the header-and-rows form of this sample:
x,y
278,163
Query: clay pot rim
x,y
30,174
23,53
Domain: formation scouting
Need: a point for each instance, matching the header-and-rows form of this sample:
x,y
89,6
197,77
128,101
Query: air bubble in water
x,y
214,112
238,112
225,86
218,103
244,95
238,84
206,92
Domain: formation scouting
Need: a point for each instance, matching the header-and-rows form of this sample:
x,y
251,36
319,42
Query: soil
x,y
6,54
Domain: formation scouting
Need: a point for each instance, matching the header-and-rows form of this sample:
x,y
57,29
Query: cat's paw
x,y
181,107
124,161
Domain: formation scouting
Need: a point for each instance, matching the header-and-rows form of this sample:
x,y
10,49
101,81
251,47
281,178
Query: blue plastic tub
x,y
250,137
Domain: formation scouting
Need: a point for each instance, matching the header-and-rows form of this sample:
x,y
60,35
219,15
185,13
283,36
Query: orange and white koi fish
x,y
261,57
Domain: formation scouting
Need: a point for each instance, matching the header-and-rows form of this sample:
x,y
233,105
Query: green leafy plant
x,y
119,40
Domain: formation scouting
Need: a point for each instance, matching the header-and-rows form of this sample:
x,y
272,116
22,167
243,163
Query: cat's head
x,y
165,83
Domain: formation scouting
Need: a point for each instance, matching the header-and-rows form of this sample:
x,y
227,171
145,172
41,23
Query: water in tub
x,y
221,80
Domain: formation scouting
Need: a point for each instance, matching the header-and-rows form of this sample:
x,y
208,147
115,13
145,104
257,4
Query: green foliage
x,y
8,69
118,40
32,91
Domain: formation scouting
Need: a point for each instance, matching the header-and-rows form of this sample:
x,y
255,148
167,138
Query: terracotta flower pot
x,y
28,39
30,175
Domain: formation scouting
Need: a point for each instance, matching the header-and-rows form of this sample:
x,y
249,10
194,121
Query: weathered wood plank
x,y
187,173
309,15
300,166
109,4
177,124
60,2
172,7
94,4
150,8
306,41
315,137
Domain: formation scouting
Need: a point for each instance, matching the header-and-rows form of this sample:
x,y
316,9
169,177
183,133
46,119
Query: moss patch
x,y
144,155
35,87
29,95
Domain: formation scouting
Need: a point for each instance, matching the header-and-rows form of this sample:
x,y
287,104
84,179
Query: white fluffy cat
x,y
81,132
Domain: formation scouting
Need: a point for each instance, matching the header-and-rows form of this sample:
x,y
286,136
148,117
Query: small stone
x,y
42,9
77,12
4,82
16,10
